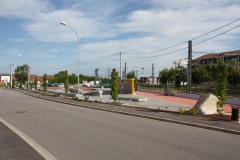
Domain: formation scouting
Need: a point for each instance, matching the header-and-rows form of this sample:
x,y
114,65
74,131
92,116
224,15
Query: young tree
x,y
66,83
114,87
45,83
221,79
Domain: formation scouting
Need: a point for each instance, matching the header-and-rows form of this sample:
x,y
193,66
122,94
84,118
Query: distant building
x,y
33,77
148,80
143,79
5,78
214,57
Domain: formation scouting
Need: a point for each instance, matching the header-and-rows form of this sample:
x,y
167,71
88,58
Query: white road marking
x,y
32,143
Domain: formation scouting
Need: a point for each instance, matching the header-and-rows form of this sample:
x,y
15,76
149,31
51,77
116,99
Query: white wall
x,y
5,78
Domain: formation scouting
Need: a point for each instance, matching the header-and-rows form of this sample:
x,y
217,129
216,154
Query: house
x,y
213,57
33,77
5,79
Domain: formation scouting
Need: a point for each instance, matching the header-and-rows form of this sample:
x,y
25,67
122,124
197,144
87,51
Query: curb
x,y
235,132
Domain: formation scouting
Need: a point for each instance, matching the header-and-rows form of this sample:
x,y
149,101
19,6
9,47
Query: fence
x,y
206,88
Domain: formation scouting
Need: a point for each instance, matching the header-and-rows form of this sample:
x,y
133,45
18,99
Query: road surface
x,y
70,132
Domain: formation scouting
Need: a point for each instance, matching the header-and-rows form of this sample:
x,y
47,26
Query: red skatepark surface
x,y
186,101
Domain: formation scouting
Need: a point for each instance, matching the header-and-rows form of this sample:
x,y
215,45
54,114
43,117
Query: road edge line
x,y
43,152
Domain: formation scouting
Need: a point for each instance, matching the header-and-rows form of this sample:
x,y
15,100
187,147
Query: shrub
x,y
194,111
47,93
86,98
181,111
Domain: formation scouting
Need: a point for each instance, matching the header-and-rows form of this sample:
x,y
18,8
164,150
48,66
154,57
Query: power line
x,y
216,29
187,41
102,59
216,35
193,44
159,49
160,54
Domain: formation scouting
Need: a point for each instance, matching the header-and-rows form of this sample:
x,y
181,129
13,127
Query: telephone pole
x,y
152,74
11,75
125,71
120,65
189,75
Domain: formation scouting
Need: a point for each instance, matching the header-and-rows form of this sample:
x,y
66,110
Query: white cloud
x,y
23,8
104,28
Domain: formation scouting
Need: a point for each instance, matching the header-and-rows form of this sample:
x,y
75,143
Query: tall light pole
x,y
65,24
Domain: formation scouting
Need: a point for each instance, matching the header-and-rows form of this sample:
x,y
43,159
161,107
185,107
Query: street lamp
x,y
65,24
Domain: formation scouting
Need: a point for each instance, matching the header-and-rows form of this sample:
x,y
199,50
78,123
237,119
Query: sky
x,y
146,32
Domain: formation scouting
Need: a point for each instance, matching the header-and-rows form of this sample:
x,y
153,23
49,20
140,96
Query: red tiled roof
x,y
231,53
32,78
207,56
216,55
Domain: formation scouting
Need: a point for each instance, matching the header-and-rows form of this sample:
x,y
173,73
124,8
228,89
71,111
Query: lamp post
x,y
65,24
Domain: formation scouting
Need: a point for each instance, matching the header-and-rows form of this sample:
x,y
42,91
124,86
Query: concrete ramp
x,y
207,104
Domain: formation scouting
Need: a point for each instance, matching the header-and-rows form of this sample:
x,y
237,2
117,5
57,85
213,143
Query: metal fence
x,y
206,88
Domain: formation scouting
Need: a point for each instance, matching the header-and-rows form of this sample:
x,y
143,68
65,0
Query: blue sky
x,y
31,33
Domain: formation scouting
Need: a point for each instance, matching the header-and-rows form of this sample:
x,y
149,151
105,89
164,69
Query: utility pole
x,y
120,65
136,74
189,75
11,75
28,71
108,73
125,71
152,74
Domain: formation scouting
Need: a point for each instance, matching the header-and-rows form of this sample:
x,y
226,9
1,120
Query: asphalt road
x,y
70,132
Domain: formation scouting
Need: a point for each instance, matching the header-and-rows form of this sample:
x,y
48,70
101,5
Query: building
x,y
213,57
33,77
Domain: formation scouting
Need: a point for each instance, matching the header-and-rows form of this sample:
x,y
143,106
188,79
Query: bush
x,y
47,93
181,111
86,98
194,111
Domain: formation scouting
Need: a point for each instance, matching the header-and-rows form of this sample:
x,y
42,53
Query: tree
x,y
21,74
221,89
199,75
45,83
233,76
114,87
73,79
182,73
167,75
35,84
66,83
60,77
163,75
131,74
